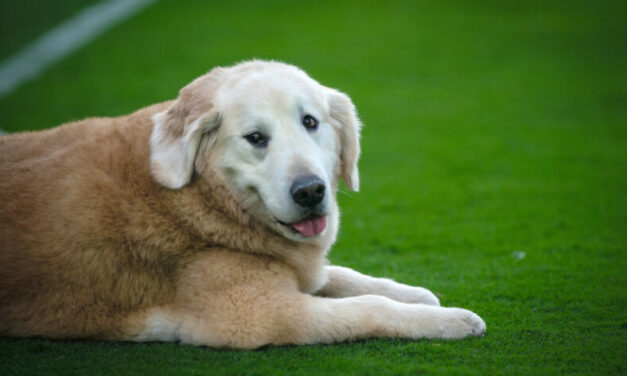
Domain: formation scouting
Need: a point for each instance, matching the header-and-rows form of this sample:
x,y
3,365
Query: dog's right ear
x,y
178,130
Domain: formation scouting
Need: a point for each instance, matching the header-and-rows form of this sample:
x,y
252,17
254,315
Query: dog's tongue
x,y
311,227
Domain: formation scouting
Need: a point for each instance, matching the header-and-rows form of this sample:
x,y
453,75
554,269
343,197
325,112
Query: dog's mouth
x,y
308,227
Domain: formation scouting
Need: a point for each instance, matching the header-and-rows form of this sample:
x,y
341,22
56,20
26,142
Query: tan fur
x,y
96,243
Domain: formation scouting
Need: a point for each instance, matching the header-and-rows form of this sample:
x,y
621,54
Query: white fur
x,y
344,282
266,102
158,327
172,160
273,102
335,320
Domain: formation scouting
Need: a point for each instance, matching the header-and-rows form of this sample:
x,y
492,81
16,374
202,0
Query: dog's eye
x,y
257,139
310,122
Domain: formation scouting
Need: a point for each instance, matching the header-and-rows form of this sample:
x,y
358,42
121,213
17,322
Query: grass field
x,y
493,130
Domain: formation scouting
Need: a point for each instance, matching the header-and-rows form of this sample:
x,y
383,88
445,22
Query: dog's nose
x,y
307,191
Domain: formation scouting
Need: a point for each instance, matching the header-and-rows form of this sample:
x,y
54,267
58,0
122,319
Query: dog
x,y
205,220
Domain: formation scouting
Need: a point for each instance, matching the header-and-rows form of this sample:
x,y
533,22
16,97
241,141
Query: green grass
x,y
490,128
24,20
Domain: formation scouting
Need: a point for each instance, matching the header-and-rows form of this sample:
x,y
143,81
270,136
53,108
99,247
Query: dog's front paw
x,y
418,295
460,323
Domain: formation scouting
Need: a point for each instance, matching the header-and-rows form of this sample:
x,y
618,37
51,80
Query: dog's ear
x,y
344,113
178,130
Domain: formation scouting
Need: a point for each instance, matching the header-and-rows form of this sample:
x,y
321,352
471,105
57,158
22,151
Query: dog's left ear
x,y
177,131
344,113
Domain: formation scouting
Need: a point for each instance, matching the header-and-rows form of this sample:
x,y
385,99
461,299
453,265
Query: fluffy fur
x,y
170,225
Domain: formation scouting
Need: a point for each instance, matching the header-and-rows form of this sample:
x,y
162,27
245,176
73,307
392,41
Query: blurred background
x,y
494,166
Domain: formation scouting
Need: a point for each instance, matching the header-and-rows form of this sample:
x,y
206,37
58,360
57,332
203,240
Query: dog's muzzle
x,y
308,191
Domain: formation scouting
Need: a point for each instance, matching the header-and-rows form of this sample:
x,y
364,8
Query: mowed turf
x,y
494,171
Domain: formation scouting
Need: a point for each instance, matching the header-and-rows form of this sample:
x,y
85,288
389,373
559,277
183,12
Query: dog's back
x,y
66,196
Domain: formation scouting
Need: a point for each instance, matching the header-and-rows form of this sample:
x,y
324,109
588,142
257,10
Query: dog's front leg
x,y
367,316
344,282
259,303
254,316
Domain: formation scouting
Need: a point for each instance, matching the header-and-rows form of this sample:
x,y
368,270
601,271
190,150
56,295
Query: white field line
x,y
51,47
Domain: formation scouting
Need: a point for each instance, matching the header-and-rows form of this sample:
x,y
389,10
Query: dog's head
x,y
280,140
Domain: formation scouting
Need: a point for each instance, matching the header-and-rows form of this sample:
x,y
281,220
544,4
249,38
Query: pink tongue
x,y
311,227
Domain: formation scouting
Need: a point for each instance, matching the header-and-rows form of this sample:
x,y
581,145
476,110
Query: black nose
x,y
307,191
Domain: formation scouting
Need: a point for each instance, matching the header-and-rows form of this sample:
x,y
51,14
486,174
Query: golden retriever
x,y
205,220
